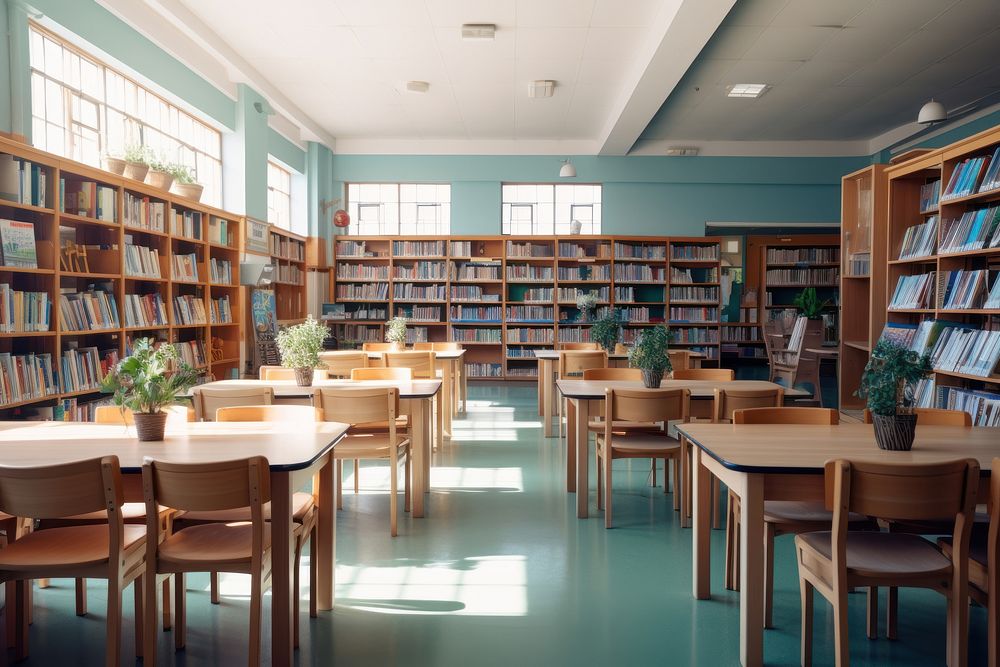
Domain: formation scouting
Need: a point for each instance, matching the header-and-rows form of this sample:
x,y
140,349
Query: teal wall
x,y
5,86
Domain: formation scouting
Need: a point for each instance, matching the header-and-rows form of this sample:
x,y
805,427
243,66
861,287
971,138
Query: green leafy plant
x,y
605,330
395,330
650,350
809,304
586,302
182,173
144,382
300,345
137,153
159,163
890,376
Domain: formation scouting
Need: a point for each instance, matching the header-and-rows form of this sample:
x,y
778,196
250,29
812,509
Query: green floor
x,y
501,572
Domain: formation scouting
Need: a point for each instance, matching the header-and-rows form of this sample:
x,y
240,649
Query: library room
x,y
435,333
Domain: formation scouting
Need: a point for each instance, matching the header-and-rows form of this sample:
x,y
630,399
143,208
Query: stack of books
x,y
929,195
913,292
966,350
221,271
219,232
85,367
88,199
191,352
186,224
993,299
991,181
22,182
143,213
221,312
983,406
185,267
26,376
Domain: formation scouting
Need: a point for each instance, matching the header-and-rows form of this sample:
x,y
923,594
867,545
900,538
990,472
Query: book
x,y
993,298
963,289
913,292
991,180
900,333
929,195
919,240
965,177
24,311
928,333
18,242
976,229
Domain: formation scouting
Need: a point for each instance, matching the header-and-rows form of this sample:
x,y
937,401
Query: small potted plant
x,y
395,332
159,175
115,162
145,384
137,158
299,346
606,331
888,384
586,302
184,183
810,307
649,354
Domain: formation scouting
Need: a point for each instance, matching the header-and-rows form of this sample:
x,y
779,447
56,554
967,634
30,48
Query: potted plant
x,y
184,183
115,162
159,175
809,304
137,158
606,331
145,384
888,384
586,302
649,354
299,346
395,332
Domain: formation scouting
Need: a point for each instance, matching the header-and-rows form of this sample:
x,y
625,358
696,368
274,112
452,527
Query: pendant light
x,y
567,170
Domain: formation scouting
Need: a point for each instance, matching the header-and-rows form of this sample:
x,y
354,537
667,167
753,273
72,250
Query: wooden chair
x,y
680,360
579,346
423,346
573,363
277,373
112,414
834,561
75,551
269,413
613,374
241,547
367,405
340,364
397,374
789,363
424,366
209,399
710,374
637,405
378,347
445,346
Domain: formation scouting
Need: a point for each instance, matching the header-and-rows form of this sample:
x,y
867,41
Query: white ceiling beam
x,y
682,29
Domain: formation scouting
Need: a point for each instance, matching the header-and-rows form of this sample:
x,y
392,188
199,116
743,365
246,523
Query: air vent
x,y
541,88
479,31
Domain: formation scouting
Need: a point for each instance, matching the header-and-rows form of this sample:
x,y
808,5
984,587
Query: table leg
x,y
685,490
571,449
545,396
282,562
463,384
579,424
326,549
751,570
701,539
446,399
418,448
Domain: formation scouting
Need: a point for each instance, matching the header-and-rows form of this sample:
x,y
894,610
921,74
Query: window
x,y
82,109
408,209
279,195
549,208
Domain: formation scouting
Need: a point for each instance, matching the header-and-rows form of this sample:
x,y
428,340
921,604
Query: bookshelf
x,y
105,250
863,231
288,256
503,297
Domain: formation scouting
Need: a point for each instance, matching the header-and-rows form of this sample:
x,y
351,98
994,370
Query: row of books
x,y
544,314
699,294
351,271
572,293
87,311
915,291
366,291
518,352
361,332
26,376
568,250
220,271
289,273
574,334
983,406
627,294
476,335
859,263
365,312
963,288
420,313
696,335
965,177
642,273
84,368
976,229
517,272
69,410
516,249
189,309
17,240
799,277
186,223
966,350
930,193
352,249
698,252
144,213
803,255
145,310
483,370
539,294
595,272
920,240
191,352
88,199
185,267
221,311
461,248
639,314
24,311
745,351
522,372
219,231
420,249
993,298
22,181
688,276
416,335
288,248
690,314
991,181
476,314
471,293
140,261
529,335
410,291
420,271
478,271
640,250
740,334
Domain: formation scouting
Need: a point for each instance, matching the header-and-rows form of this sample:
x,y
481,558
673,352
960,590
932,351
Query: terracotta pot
x,y
136,170
652,379
159,179
895,433
115,165
150,427
189,190
304,376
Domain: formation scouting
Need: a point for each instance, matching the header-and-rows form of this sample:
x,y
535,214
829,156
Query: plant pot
x,y
621,348
189,190
575,226
895,433
395,346
304,376
136,170
652,379
159,179
149,427
115,165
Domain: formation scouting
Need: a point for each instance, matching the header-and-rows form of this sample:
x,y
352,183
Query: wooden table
x,y
548,365
832,354
764,462
581,393
416,400
455,391
295,453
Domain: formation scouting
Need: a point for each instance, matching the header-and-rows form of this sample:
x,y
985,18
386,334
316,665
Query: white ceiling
x,y
840,69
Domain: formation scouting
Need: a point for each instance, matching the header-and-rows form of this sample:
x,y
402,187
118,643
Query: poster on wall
x,y
264,316
257,237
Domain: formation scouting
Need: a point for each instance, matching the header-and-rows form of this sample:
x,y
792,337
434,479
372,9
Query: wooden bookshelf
x,y
106,243
288,256
505,296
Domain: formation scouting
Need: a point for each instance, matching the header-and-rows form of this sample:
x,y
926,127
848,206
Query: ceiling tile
x,y
611,43
803,13
453,13
754,12
396,42
453,48
761,71
542,43
731,41
564,72
554,13
615,13
789,43
384,13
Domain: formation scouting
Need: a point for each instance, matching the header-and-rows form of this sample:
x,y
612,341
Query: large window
x,y
550,208
279,195
83,109
407,209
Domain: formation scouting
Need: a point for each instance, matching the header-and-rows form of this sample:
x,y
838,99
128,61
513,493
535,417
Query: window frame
x,y
442,226
555,201
274,191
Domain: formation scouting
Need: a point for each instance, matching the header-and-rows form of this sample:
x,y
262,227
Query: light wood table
x,y
581,393
830,353
295,453
548,365
416,399
454,392
765,462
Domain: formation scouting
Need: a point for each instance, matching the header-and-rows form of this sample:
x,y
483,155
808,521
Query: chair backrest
x,y
574,362
63,490
358,405
446,346
579,346
209,399
710,374
377,347
811,416
340,364
728,401
647,405
112,414
680,360
269,413
204,487
613,374
423,346
422,363
934,417
797,335
397,374
275,373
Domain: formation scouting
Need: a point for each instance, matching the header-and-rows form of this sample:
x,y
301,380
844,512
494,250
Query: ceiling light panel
x,y
747,90
479,31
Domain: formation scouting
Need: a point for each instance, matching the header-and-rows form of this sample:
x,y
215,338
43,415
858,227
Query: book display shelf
x,y
790,264
91,261
288,256
503,297
943,262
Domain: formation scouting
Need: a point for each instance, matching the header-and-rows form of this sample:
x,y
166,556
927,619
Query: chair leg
x,y
993,617
716,509
357,476
149,616
81,597
600,476
256,616
872,628
20,620
313,572
214,586
607,484
768,575
407,493
891,612
139,607
167,616
296,584
180,612
842,646
675,466
339,473
730,546
113,641
653,467
806,593
393,492
958,619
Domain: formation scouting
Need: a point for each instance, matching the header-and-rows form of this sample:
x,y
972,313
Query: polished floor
x,y
502,573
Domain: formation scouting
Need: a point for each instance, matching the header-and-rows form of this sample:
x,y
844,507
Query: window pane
x,y
546,208
402,208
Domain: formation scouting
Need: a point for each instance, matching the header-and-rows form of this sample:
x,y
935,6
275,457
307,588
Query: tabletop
x,y
797,449
288,388
551,355
287,446
594,389
827,351
450,355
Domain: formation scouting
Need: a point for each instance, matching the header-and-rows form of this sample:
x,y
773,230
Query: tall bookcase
x,y
504,297
131,261
288,256
789,264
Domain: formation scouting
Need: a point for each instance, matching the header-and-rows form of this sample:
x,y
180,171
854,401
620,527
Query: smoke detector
x,y
417,86
479,31
541,88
